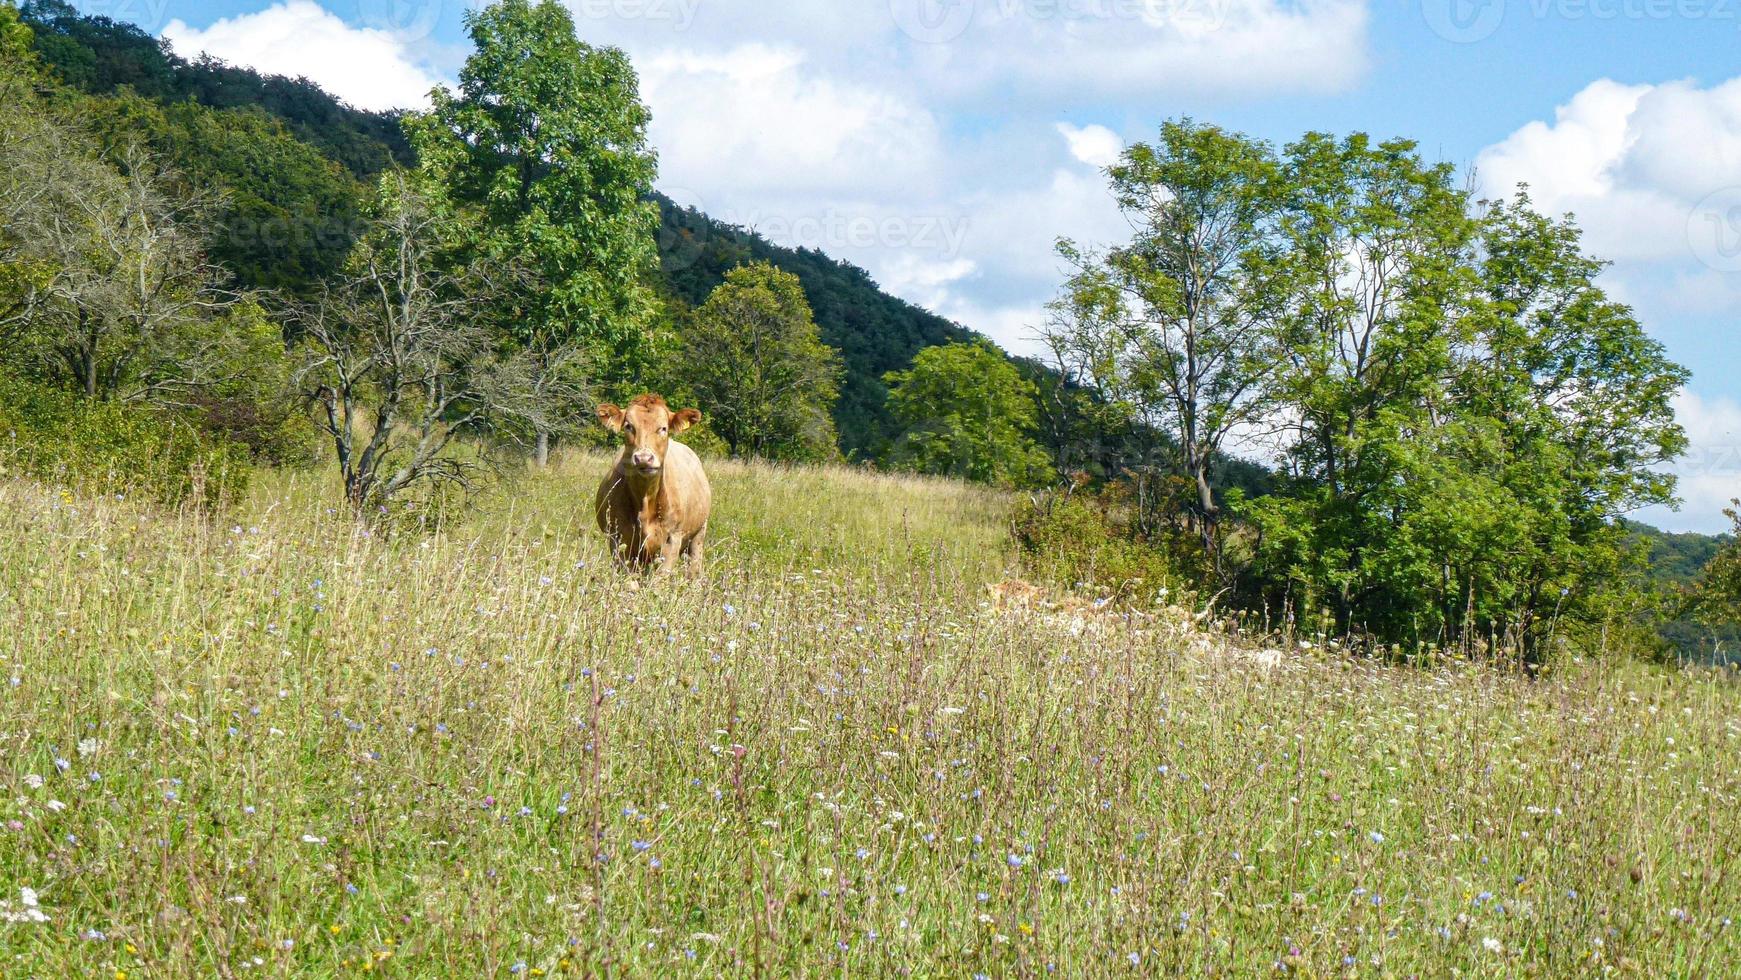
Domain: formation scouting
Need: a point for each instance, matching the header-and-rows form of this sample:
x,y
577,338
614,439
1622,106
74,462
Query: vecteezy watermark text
x,y
942,235
1469,21
678,13
942,21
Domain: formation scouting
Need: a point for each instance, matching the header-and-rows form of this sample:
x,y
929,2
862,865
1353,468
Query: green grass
x,y
294,748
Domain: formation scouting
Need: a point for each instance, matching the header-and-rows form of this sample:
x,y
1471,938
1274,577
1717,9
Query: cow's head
x,y
647,426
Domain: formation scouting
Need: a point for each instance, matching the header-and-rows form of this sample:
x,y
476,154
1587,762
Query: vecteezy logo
x,y
1191,18
932,21
406,20
1714,230
1463,21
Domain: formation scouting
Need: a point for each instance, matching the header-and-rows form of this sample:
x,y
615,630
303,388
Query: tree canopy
x,y
753,356
966,411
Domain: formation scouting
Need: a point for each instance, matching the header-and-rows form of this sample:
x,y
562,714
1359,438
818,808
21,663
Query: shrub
x,y
273,432
1077,541
113,447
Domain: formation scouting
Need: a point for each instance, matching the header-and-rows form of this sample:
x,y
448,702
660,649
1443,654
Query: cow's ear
x,y
684,419
611,417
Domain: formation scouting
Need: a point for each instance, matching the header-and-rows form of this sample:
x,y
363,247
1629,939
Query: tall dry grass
x,y
278,744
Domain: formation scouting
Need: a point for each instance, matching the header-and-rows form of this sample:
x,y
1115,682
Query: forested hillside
x,y
292,160
874,332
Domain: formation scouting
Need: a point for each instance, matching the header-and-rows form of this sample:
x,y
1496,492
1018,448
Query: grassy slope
x,y
326,753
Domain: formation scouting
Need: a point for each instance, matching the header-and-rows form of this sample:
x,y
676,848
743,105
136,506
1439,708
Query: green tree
x,y
1374,240
754,360
1471,417
15,39
1718,596
967,412
546,138
1179,325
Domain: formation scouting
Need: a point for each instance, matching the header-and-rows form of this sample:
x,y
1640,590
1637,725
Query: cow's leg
x,y
695,548
668,554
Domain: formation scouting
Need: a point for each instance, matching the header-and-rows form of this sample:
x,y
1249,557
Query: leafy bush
x,y
113,447
1077,541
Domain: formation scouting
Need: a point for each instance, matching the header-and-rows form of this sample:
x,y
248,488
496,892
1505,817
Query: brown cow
x,y
653,505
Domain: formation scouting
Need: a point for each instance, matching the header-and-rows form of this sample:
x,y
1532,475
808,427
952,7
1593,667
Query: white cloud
x,y
1638,165
1061,52
1056,52
758,119
1710,473
1096,146
367,67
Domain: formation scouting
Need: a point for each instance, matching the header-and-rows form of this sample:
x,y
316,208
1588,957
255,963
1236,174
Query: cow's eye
x,y
662,430
629,429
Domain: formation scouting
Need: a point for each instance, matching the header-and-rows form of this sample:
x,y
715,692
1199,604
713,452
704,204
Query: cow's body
x,y
654,503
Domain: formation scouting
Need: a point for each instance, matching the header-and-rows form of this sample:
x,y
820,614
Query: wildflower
x,y
1377,838
1135,959
1013,861
1492,945
28,909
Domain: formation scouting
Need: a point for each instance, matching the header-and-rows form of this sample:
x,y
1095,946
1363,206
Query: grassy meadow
x,y
272,744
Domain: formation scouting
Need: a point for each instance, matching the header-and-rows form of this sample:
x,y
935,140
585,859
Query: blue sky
x,y
944,144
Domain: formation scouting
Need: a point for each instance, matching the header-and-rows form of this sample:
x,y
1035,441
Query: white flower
x,y
1492,945
56,805
27,910
33,781
311,839
89,746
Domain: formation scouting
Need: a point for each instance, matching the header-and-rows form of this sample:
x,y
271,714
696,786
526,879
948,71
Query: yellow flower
x,y
1026,930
